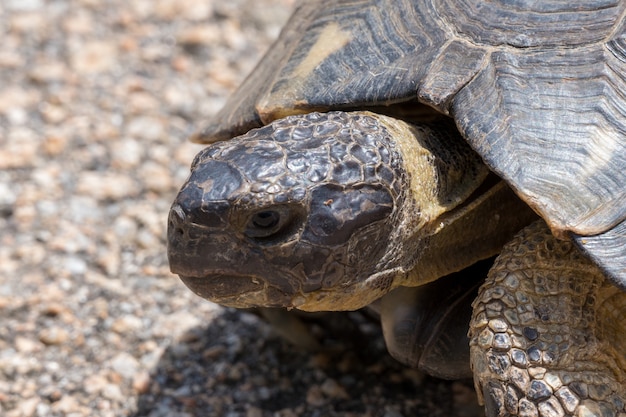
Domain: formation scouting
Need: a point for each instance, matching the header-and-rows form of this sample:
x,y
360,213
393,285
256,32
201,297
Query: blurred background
x,y
97,99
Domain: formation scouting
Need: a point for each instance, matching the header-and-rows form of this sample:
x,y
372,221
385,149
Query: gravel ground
x,y
96,101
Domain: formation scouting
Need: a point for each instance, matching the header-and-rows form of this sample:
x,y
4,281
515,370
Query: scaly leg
x,y
548,333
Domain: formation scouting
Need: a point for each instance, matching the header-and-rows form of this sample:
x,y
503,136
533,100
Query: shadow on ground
x,y
252,372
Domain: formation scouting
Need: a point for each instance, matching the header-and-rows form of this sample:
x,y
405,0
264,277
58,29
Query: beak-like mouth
x,y
239,291
222,285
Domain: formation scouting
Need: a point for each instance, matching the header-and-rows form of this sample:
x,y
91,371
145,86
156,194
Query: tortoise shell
x,y
538,89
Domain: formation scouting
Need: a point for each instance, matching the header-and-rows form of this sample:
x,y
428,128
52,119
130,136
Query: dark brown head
x,y
299,213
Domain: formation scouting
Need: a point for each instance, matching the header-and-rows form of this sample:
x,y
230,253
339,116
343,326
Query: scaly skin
x,y
547,333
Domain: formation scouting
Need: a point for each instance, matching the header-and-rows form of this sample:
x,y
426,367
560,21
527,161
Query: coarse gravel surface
x,y
97,99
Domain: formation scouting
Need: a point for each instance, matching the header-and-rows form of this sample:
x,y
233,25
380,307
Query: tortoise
x,y
381,148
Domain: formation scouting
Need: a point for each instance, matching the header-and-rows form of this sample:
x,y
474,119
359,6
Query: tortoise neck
x,y
455,211
474,231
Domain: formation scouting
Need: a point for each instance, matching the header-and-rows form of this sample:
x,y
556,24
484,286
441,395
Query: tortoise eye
x,y
265,219
275,224
270,223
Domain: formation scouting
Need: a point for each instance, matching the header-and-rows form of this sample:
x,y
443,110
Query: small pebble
x,y
141,382
53,336
127,324
332,389
125,364
315,396
25,345
27,407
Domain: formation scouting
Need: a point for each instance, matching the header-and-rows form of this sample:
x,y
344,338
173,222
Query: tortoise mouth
x,y
239,291
249,291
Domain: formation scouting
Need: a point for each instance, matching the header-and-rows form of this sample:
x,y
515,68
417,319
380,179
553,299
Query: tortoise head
x,y
300,213
330,211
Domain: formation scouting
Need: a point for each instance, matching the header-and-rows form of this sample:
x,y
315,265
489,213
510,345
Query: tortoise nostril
x,y
177,214
176,219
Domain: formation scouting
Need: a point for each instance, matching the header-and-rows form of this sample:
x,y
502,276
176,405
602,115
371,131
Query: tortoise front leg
x,y
548,333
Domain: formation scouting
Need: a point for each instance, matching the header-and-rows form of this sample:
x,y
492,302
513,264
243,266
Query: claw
x,y
494,398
